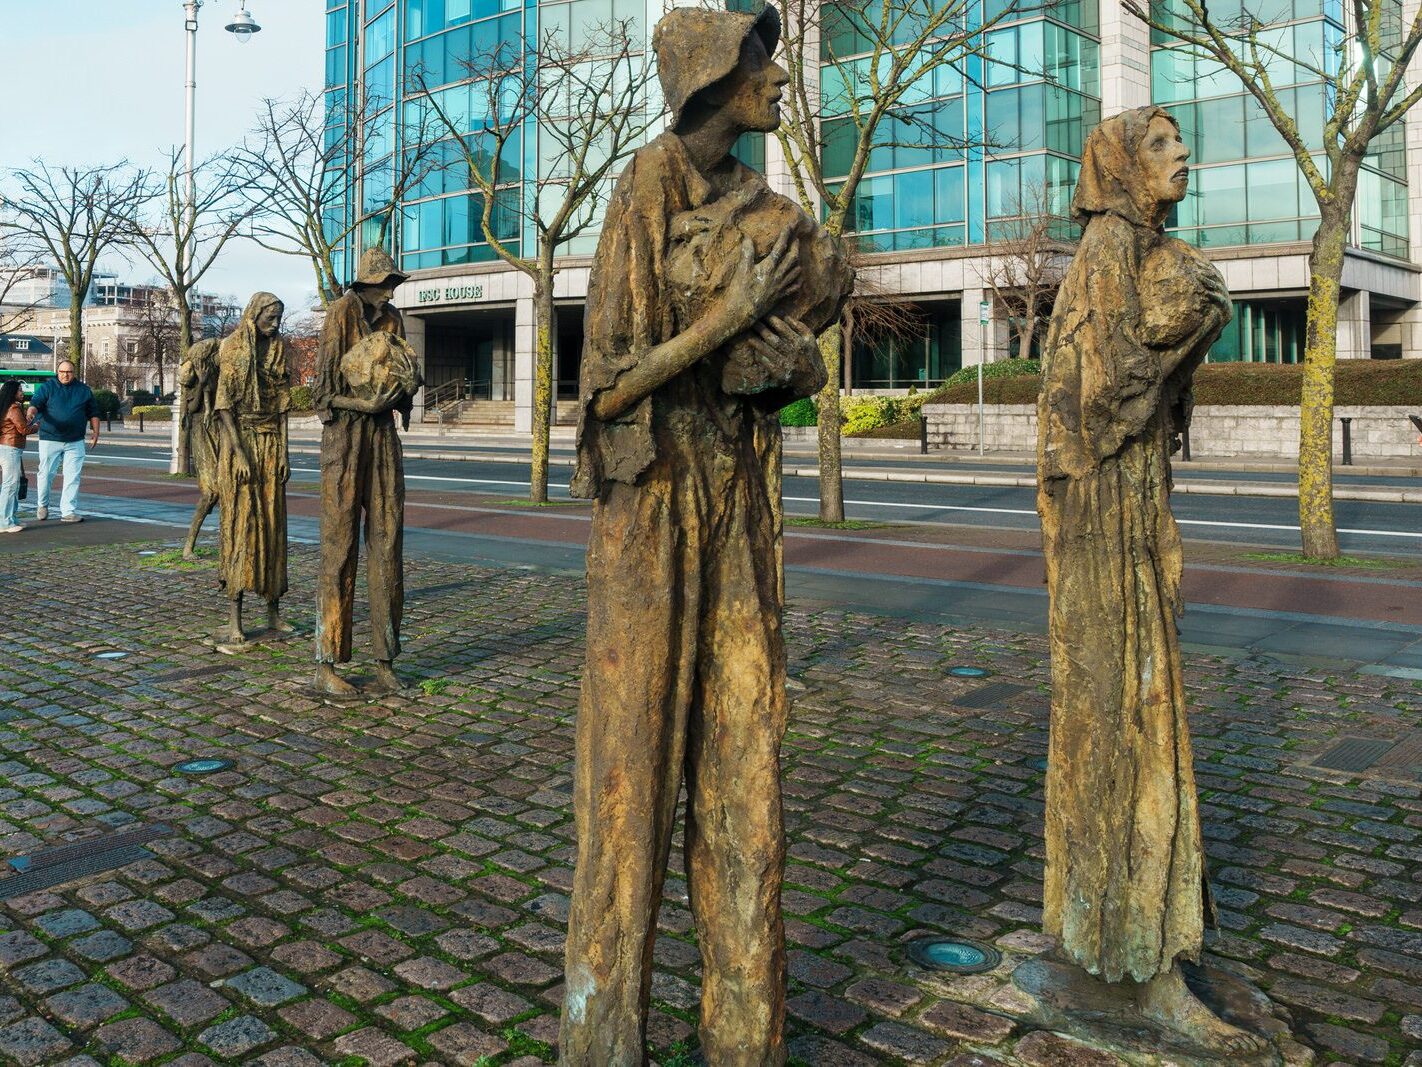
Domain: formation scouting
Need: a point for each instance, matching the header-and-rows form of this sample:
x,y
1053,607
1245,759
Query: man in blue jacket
x,y
65,407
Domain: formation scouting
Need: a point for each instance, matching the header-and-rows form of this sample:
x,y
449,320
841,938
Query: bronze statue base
x,y
222,641
1062,997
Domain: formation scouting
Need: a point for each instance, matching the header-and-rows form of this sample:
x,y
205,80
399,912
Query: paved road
x,y
1365,527
800,454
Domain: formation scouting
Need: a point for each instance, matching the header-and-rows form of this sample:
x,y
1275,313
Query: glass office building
x,y
974,150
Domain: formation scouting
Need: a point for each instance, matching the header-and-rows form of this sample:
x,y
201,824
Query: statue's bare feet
x,y
386,680
190,552
275,623
1167,1000
332,684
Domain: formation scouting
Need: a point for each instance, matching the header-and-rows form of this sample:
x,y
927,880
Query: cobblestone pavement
x,y
387,883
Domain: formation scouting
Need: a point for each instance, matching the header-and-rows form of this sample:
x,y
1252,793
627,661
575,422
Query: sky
x,y
96,81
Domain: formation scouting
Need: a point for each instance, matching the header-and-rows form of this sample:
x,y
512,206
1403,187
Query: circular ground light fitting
x,y
969,672
110,655
204,766
954,954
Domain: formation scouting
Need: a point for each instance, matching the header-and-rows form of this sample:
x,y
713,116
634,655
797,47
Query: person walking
x,y
65,406
14,428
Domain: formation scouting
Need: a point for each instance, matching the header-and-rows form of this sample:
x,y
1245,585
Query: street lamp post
x,y
242,26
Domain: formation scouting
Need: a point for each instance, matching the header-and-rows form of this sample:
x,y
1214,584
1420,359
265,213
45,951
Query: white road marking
x,y
856,503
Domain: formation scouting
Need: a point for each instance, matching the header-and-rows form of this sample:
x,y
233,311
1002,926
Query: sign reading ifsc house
x,y
449,293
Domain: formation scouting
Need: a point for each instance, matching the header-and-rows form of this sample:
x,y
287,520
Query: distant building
x,y
130,330
20,351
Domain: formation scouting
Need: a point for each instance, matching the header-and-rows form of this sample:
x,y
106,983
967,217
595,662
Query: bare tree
x,y
589,101
856,70
1028,261
300,333
224,318
75,215
19,260
303,165
182,239
1366,94
157,322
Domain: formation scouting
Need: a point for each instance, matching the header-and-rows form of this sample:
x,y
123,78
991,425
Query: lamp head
x,y
243,25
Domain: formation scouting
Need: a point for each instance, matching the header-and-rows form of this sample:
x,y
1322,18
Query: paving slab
x,y
389,879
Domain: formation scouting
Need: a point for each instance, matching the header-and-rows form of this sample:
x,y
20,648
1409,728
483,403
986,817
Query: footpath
x,y
386,883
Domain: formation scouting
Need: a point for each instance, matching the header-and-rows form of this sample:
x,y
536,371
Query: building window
x,y
1263,331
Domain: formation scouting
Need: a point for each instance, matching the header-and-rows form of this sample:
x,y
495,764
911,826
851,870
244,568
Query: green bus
x,y
29,379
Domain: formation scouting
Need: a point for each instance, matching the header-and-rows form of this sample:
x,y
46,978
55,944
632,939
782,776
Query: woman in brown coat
x,y
14,428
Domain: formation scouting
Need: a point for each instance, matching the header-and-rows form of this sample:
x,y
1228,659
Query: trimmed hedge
x,y
152,413
1004,368
301,398
1357,382
800,412
108,403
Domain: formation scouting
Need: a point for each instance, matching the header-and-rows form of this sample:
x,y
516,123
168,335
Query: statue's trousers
x,y
685,677
362,475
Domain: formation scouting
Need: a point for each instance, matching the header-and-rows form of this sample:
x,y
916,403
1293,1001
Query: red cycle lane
x,y
940,553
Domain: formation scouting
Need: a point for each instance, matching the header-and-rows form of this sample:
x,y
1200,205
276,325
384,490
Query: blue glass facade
x,y
976,145
971,151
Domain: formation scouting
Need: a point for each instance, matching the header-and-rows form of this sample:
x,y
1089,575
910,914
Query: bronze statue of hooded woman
x,y
250,405
1125,886
703,305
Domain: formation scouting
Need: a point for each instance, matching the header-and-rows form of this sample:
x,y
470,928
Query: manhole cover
x,y
988,695
953,954
969,672
204,766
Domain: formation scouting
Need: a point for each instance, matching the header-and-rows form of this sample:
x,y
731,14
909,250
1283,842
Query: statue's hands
x,y
387,400
782,342
241,467
758,285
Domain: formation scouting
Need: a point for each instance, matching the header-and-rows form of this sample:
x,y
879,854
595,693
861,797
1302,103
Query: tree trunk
x,y
182,461
831,476
542,388
1320,538
76,337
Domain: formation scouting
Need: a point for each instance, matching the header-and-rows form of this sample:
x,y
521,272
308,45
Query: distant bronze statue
x,y
250,404
365,375
197,380
705,299
1126,891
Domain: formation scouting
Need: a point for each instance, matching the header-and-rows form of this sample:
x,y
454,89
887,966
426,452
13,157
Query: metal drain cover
x,y
204,766
954,954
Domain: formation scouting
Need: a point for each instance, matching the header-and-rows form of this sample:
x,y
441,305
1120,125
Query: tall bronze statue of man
x,y
702,309
197,379
362,474
250,406
1126,892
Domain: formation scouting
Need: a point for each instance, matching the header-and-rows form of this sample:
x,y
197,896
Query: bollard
x,y
109,422
140,422
1185,445
922,433
1347,441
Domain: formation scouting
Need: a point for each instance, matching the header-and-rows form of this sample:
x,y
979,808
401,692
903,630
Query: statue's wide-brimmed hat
x,y
696,48
377,268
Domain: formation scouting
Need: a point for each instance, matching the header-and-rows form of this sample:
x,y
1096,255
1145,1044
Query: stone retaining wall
x,y
1216,431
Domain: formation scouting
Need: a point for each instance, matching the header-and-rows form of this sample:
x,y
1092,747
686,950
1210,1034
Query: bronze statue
x,y
250,404
1126,891
694,340
365,373
197,378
